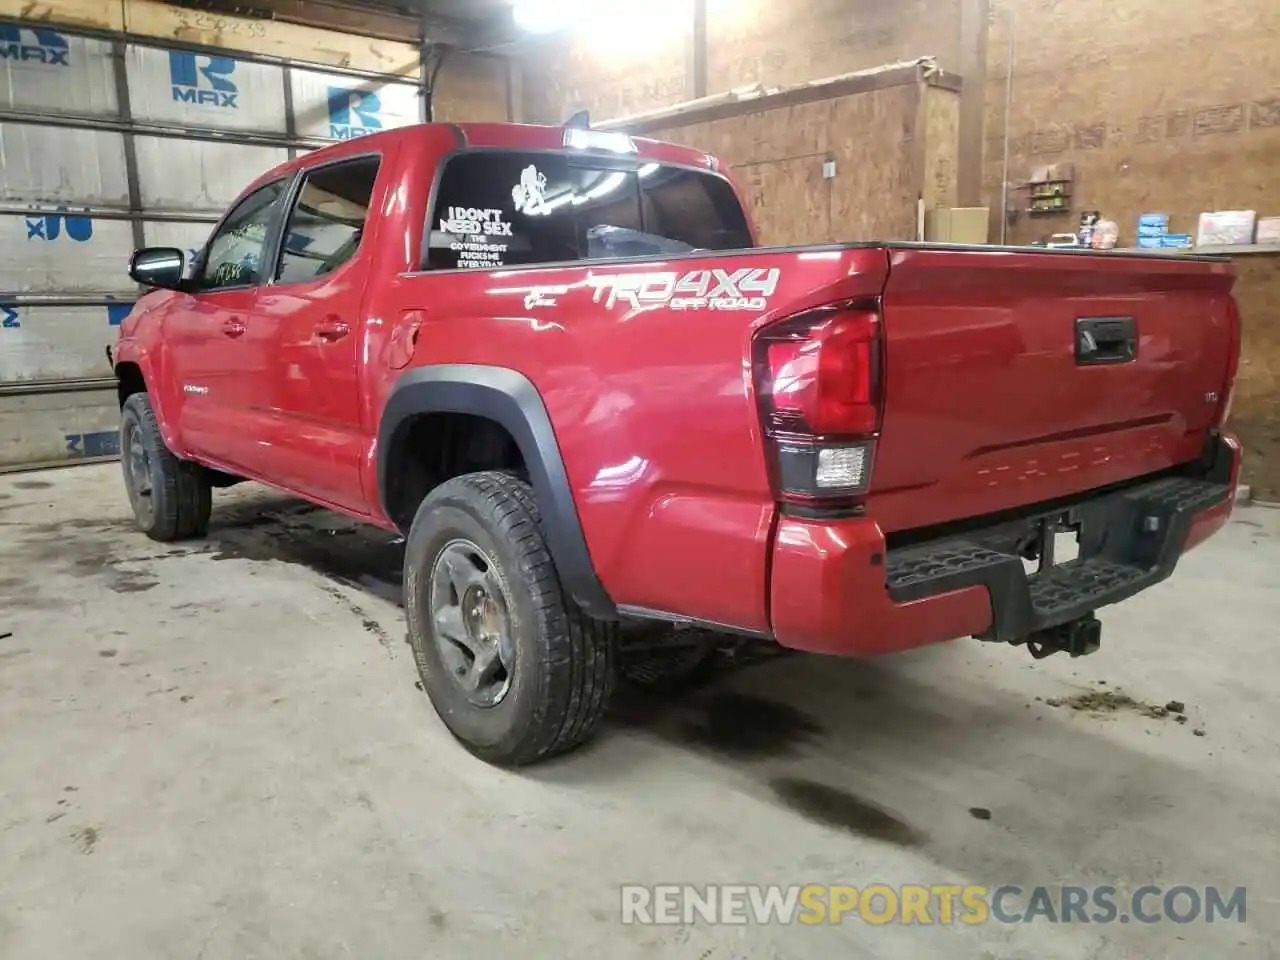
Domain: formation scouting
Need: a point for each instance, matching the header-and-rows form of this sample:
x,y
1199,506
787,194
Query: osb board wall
x,y
778,43
1255,413
1161,107
621,76
940,122
471,87
149,18
777,155
748,42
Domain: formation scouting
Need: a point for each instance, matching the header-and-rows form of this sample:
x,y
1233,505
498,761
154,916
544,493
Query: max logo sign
x,y
204,81
49,48
54,225
353,113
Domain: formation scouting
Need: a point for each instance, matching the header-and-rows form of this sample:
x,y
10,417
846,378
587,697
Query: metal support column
x,y
125,110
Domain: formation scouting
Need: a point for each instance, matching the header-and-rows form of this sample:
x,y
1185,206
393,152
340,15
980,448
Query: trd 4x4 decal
x,y
746,289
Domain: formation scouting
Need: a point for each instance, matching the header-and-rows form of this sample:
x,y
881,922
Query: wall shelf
x,y
1230,250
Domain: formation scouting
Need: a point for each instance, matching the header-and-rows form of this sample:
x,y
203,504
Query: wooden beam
x,y
974,18
698,55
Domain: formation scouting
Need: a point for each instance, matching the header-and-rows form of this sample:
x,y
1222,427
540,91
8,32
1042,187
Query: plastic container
x,y
1105,235
1153,224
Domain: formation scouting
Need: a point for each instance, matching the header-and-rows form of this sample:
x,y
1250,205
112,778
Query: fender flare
x,y
509,399
128,350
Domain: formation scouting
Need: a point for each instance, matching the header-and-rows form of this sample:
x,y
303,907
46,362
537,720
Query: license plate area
x,y
1055,541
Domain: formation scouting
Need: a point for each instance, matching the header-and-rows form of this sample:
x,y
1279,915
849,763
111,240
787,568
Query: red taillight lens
x,y
817,376
821,372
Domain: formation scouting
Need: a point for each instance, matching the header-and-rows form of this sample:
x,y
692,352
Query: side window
x,y
694,208
234,256
327,221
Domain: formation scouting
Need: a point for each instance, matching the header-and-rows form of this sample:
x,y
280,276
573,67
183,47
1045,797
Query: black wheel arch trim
x,y
509,399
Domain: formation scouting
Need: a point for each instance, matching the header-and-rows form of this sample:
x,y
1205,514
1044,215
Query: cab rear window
x,y
499,209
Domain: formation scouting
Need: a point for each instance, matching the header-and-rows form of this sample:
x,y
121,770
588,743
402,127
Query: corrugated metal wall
x,y
108,144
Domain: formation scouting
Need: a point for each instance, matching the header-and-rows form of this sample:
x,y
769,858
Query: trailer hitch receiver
x,y
1077,637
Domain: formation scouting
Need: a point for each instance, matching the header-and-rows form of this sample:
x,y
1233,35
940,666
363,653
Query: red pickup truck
x,y
555,360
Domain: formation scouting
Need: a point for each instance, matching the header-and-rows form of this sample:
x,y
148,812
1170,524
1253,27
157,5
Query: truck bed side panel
x,y
652,405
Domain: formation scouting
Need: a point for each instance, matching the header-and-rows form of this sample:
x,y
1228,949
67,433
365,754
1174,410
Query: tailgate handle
x,y
1106,340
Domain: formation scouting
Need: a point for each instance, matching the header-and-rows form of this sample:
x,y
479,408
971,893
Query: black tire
x,y
171,498
561,668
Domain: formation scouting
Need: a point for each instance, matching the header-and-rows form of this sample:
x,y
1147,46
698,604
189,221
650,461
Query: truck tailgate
x,y
1015,377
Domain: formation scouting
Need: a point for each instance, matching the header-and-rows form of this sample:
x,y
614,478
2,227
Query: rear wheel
x,y
171,498
514,669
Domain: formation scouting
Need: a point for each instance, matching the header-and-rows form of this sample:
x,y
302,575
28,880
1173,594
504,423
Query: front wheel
x,y
514,669
171,498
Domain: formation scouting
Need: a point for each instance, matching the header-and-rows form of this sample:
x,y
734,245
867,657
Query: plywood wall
x,y
472,87
748,42
765,41
1161,105
877,140
610,79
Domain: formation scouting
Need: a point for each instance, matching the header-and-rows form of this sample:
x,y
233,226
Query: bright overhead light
x,y
650,18
542,16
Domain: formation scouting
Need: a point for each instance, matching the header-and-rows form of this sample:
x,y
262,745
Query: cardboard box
x,y
1150,243
1268,230
957,224
1176,241
1226,228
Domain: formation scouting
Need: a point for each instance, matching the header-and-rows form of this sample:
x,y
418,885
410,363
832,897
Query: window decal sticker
x,y
530,194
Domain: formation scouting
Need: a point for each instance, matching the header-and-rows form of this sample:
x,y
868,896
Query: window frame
x,y
626,163
292,196
269,242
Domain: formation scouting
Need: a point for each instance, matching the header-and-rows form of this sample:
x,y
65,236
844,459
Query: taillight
x,y
818,380
1233,362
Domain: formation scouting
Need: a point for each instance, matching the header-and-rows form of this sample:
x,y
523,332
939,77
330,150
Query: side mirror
x,y
158,267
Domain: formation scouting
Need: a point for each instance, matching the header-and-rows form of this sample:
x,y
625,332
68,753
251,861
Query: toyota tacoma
x,y
556,361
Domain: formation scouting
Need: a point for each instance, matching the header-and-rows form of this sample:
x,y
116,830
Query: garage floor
x,y
218,750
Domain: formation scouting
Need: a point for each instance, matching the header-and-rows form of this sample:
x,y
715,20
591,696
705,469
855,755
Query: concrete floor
x,y
217,750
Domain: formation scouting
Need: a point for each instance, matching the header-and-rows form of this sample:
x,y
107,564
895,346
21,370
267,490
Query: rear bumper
x,y
836,589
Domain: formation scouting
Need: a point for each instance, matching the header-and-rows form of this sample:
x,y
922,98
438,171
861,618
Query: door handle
x,y
234,327
331,328
1106,340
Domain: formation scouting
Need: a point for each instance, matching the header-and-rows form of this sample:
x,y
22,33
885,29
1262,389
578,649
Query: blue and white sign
x,y
204,81
34,45
76,228
335,107
353,113
54,72
64,251
203,91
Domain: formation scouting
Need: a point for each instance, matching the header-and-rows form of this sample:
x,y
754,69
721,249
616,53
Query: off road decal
x,y
745,289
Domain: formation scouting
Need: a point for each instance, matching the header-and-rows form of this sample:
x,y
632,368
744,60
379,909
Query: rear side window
x,y
507,209
327,221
